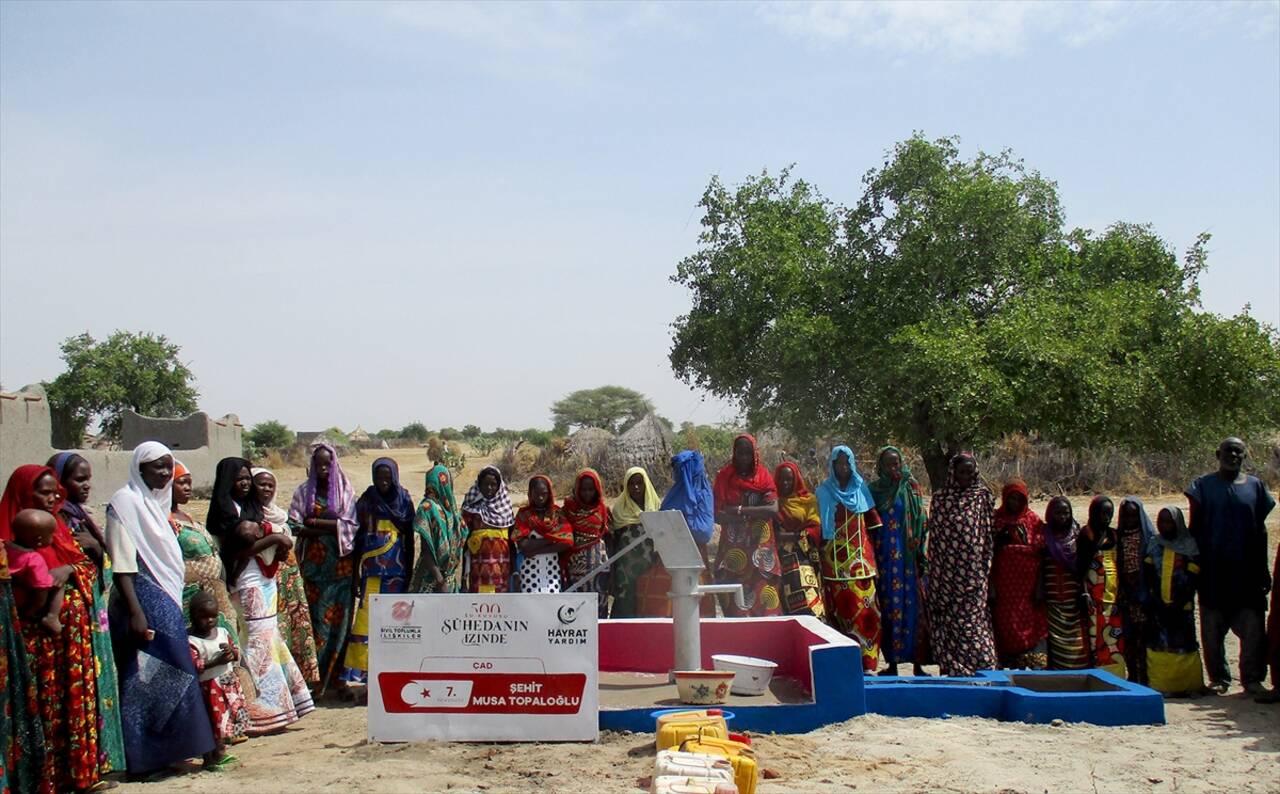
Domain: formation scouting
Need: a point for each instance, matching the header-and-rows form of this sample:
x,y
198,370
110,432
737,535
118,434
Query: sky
x,y
371,214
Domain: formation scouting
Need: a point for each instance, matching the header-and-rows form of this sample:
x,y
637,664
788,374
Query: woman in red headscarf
x,y
746,503
63,663
588,515
1017,609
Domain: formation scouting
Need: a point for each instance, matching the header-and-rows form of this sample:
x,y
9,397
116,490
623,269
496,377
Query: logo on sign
x,y
568,615
401,612
484,625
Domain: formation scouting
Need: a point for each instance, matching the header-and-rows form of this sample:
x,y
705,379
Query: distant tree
x,y
415,431
533,435
125,371
271,435
450,434
948,308
471,431
613,408
387,433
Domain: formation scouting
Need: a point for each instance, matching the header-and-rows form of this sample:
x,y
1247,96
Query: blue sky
x,y
378,213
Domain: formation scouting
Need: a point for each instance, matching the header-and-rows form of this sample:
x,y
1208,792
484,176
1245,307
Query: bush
x,y
471,431
271,435
450,434
415,431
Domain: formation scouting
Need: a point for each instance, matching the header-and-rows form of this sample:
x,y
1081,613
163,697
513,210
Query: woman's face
x,y
266,488
488,485
539,494
157,473
587,493
1061,513
1129,516
744,456
1165,524
842,468
1015,503
321,464
382,480
78,481
892,463
243,483
46,492
966,472
1103,512
786,482
182,489
635,488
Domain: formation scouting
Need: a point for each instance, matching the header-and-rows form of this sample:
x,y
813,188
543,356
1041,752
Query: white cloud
x,y
966,28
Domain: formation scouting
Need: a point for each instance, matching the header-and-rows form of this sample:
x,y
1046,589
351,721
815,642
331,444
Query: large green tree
x,y
613,408
138,371
948,307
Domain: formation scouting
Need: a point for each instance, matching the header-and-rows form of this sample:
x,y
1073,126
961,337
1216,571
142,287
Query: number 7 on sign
x,y
437,694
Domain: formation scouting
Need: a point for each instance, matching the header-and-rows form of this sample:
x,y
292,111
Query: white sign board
x,y
493,667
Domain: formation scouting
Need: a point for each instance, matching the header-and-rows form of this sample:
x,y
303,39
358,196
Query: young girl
x,y
541,533
486,510
214,654
1064,591
1172,568
38,597
1100,549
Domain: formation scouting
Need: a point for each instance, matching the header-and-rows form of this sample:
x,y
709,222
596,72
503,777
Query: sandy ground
x,y
1226,743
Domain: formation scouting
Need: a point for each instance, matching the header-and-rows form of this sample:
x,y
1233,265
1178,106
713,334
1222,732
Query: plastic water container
x,y
677,725
740,756
675,763
670,784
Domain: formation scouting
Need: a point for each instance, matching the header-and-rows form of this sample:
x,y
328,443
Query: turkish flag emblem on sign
x,y
482,693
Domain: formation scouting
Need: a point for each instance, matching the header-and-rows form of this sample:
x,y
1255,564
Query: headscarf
x,y
855,496
225,510
143,512
624,512
340,499
437,512
1147,528
798,512
1026,524
19,495
1063,548
398,508
1102,537
731,487
71,509
551,525
1182,541
691,494
589,521
886,493
272,513
495,512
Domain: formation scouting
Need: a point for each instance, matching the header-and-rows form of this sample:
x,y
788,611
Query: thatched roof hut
x,y
589,443
647,443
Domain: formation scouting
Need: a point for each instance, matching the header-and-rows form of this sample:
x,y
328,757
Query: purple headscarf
x,y
341,498
1063,549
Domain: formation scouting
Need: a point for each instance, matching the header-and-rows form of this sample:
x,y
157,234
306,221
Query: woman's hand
x,y
89,544
61,574
138,627
439,577
284,542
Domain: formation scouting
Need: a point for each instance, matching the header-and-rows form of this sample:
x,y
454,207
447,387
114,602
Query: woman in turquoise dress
x,y
76,476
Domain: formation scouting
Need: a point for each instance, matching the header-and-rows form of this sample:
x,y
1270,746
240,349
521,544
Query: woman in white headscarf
x,y
162,710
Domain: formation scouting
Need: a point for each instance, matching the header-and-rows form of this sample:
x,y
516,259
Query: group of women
x,y
966,584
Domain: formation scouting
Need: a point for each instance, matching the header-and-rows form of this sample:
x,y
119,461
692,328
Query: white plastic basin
x,y
751,676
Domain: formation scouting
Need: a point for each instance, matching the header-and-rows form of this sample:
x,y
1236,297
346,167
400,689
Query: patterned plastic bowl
x,y
703,687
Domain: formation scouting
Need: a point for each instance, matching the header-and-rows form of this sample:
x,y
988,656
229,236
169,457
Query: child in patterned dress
x,y
215,654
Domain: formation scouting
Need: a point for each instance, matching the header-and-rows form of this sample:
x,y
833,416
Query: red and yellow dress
x,y
748,554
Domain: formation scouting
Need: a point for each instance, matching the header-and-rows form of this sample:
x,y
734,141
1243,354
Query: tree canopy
x,y
613,408
271,434
949,306
138,371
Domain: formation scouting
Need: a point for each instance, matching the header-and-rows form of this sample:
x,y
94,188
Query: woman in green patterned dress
x,y
438,524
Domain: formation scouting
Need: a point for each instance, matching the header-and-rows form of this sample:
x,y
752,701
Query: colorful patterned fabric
x,y
849,581
327,579
339,499
1132,550
625,527
489,558
590,523
1070,642
441,535
495,512
961,524
228,709
281,696
748,552
540,573
110,734
900,561
1017,611
854,495
798,531
162,708
21,733
1106,629
294,619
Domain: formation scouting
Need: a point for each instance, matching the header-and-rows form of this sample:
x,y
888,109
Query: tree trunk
x,y
936,463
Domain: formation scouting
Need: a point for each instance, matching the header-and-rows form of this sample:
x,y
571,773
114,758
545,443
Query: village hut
x,y
648,443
